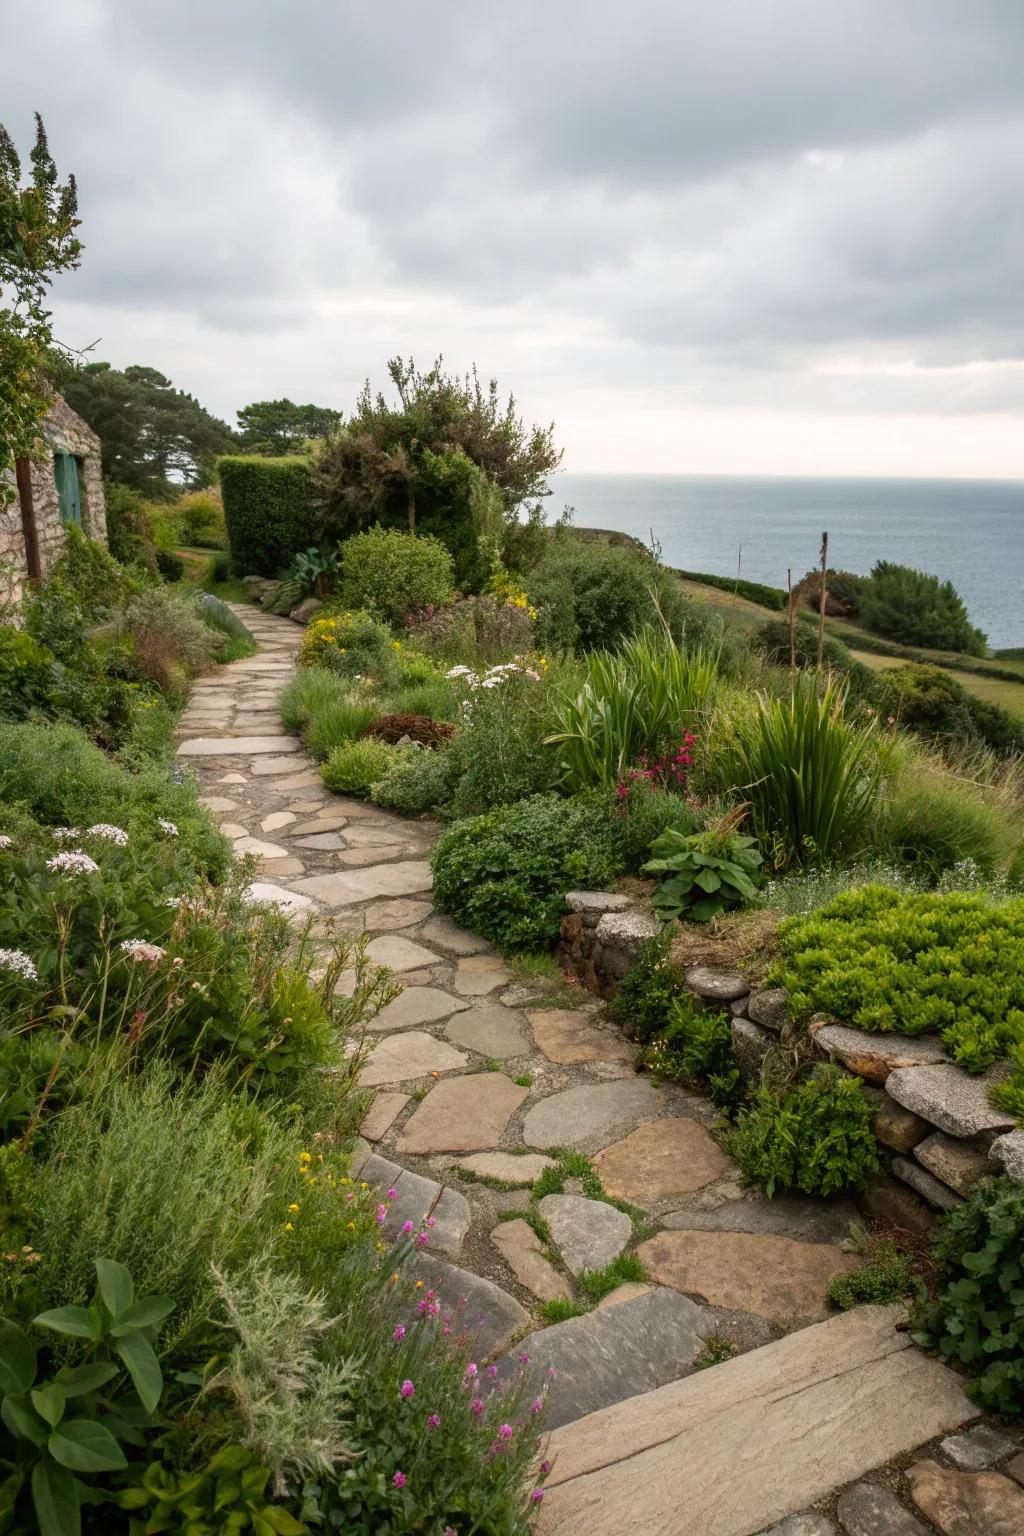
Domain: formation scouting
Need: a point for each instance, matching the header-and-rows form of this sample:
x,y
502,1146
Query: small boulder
x,y
717,986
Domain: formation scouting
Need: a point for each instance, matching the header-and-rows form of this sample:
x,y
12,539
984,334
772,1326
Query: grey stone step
x,y
732,1449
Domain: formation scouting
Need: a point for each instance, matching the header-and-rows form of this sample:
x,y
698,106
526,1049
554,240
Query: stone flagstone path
x,y
476,1077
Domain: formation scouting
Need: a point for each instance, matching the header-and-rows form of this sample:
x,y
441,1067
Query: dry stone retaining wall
x,y
937,1130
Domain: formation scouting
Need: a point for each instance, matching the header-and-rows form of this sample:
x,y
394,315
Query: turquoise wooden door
x,y
65,474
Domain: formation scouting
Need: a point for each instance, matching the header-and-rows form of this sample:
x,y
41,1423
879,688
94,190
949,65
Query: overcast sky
x,y
718,236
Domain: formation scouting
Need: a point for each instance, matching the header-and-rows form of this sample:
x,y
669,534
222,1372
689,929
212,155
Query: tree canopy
x,y
154,437
426,460
917,609
37,240
276,427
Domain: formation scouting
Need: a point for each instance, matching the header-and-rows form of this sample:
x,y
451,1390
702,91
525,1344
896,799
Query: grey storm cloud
x,y
747,185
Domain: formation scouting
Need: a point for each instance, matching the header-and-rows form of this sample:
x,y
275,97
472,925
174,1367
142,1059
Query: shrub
x,y
268,511
915,962
648,990
933,703
28,681
978,1318
419,728
644,814
917,609
501,743
773,642
61,779
815,1136
419,782
170,642
932,823
695,1047
505,874
642,699
200,518
352,642
590,596
433,696
355,766
395,573
707,872
755,591
129,533
809,776
325,710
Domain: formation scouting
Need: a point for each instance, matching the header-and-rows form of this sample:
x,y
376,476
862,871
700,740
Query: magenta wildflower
x,y
536,1495
492,1371
392,1194
422,1239
399,1479
407,1389
536,1405
434,1421
430,1221
406,1227
545,1468
399,1333
524,1359
505,1432
477,1406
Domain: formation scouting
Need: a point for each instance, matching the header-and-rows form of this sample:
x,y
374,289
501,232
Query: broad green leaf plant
x,y
62,1428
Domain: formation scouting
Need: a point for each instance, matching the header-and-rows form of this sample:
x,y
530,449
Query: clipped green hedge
x,y
268,507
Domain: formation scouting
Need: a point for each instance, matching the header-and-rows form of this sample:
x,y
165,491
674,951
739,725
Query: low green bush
x,y
647,992
351,642
755,591
695,1047
933,703
355,766
773,642
268,511
913,962
501,742
977,1319
129,532
28,676
814,1136
170,642
61,779
505,874
644,813
394,573
417,783
589,596
886,1276
170,565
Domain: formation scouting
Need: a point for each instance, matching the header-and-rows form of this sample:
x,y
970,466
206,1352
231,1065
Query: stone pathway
x,y
476,1077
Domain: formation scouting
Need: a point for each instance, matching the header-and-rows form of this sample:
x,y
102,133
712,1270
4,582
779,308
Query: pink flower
x,y
407,1389
434,1421
477,1406
399,1333
430,1221
471,1370
492,1371
422,1239
399,1480
392,1194
536,1495
545,1468
536,1405
406,1227
505,1432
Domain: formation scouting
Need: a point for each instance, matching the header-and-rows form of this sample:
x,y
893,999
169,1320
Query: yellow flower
x,y
288,1227
418,1286
305,1157
351,1226
364,1186
293,1206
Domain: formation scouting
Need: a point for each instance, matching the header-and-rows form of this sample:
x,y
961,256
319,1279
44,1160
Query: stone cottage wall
x,y
938,1134
65,431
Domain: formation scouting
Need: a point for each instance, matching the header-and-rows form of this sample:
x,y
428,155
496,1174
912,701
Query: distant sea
x,y
970,532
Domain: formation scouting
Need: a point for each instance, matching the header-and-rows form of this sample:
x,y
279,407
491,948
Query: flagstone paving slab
x,y
220,803
382,1114
386,915
966,1503
592,1115
588,1234
661,1160
276,820
569,1037
323,842
871,1509
291,902
523,1252
509,1167
774,1277
399,954
477,975
400,1058
416,1200
481,1313
346,887
461,1114
269,767
949,1099
361,858
491,1030
734,1449
417,1005
613,1354
448,936
805,1221
262,849
225,746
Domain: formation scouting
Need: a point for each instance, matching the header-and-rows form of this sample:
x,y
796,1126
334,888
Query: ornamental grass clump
x,y
637,701
808,774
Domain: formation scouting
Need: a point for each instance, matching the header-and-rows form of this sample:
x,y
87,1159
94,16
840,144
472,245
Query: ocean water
x,y
970,532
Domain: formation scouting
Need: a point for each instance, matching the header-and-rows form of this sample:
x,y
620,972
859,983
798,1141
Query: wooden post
x,y
736,588
23,472
791,615
821,599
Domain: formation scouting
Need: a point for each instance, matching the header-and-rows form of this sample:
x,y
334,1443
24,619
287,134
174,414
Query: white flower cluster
x,y
109,834
5,841
141,950
65,834
17,961
74,863
167,827
494,676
